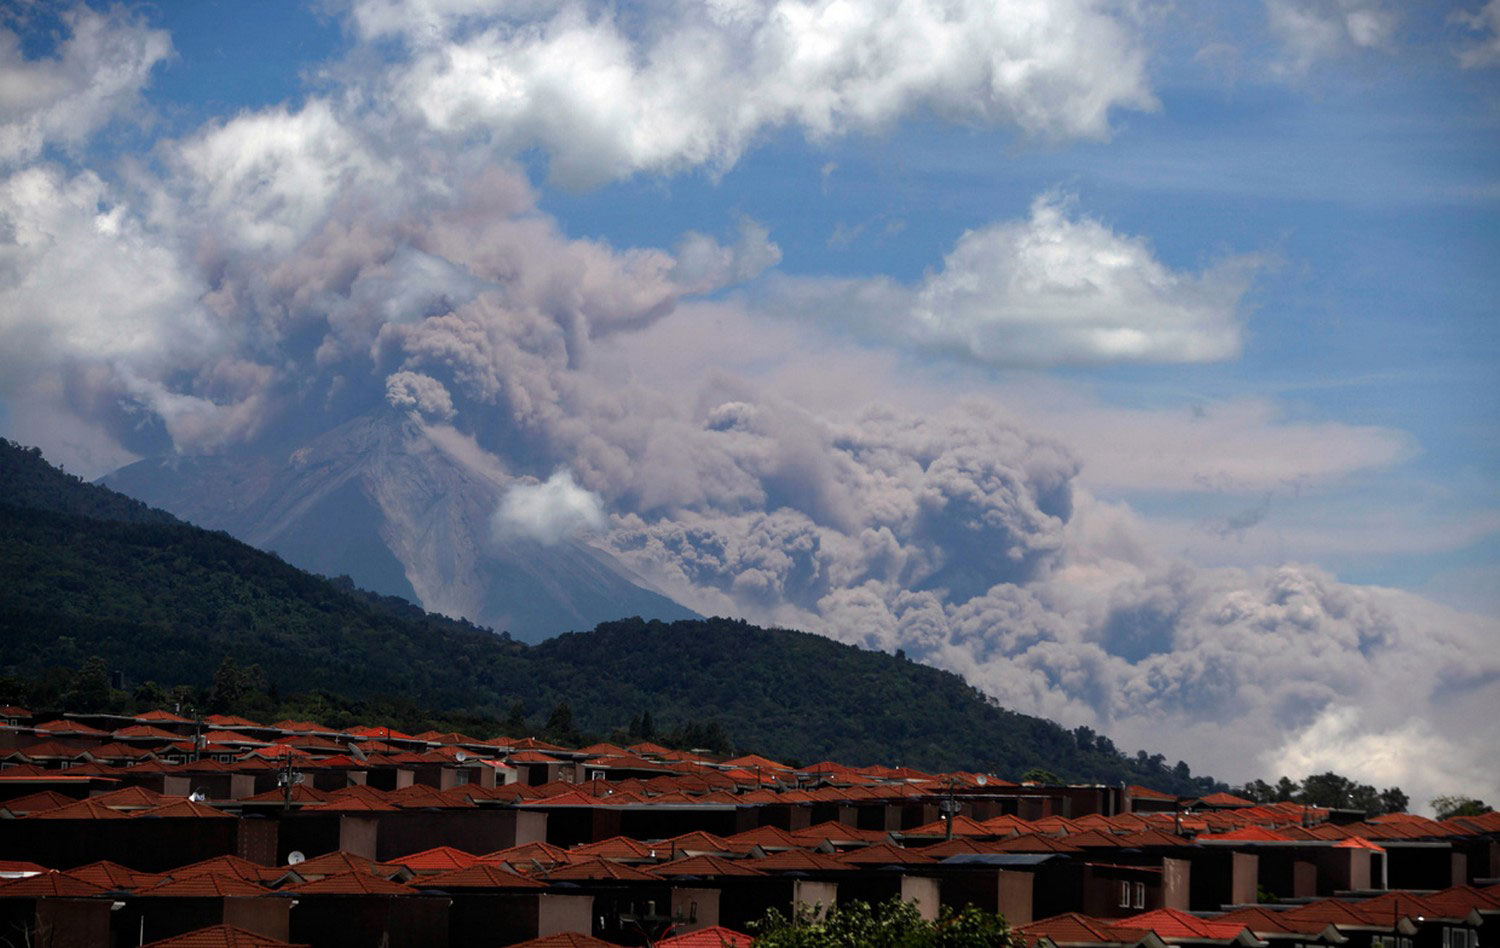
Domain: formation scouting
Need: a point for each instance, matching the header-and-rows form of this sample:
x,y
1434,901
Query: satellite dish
x,y
295,857
981,780
460,757
197,796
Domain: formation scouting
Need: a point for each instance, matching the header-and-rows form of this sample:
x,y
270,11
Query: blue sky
x,y
1226,270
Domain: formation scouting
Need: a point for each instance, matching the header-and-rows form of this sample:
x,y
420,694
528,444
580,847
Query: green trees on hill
x,y
891,924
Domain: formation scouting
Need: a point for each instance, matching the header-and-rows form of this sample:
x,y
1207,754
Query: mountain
x,y
166,601
404,510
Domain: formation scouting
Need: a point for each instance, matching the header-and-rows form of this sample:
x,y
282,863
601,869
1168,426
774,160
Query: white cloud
x,y
1413,754
94,77
1057,288
1314,30
1486,22
686,84
549,512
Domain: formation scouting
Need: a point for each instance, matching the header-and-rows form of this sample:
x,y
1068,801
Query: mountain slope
x,y
402,510
168,601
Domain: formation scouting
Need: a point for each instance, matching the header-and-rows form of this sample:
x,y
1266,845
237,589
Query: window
x,y
1140,895
1125,898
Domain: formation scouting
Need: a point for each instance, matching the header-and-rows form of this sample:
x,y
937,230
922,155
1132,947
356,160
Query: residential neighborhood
x,y
168,829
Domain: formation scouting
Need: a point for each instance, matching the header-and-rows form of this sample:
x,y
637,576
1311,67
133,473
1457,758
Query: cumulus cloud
x,y
94,77
1314,30
1486,22
686,84
1055,288
549,512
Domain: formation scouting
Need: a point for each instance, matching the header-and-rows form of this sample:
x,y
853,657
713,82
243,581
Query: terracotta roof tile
x,y
182,810
1072,928
37,802
714,936
884,854
204,885
49,884
800,860
544,853
230,866
112,875
437,859
481,876
350,883
63,726
1170,924
596,870
706,866
222,936
159,716
82,810
564,940
616,847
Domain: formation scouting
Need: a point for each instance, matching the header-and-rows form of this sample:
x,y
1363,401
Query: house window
x,y
1140,895
1125,898
461,776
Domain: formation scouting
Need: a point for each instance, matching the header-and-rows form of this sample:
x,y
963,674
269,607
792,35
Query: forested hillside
x,y
168,603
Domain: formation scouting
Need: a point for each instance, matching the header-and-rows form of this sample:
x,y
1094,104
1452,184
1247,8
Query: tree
x,y
560,722
1392,800
1259,791
90,688
891,924
515,721
1457,805
1039,775
1286,790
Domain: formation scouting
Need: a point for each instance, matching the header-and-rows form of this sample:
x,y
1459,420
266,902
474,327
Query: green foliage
x,y
1329,790
891,924
1457,805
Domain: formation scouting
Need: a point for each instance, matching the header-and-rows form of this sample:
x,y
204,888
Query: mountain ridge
x,y
396,505
169,601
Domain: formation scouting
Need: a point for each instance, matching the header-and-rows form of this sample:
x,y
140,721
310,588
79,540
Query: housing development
x,y
160,829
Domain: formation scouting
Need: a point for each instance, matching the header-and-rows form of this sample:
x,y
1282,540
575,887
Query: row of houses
x,y
306,834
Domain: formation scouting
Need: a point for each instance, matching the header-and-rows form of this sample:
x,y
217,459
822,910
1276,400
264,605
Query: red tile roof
x,y
182,810
800,860
544,853
481,876
50,884
437,859
714,936
37,802
168,716
616,847
231,866
222,936
82,810
884,854
205,885
1071,928
1170,924
596,869
350,883
112,875
706,866
63,726
564,940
